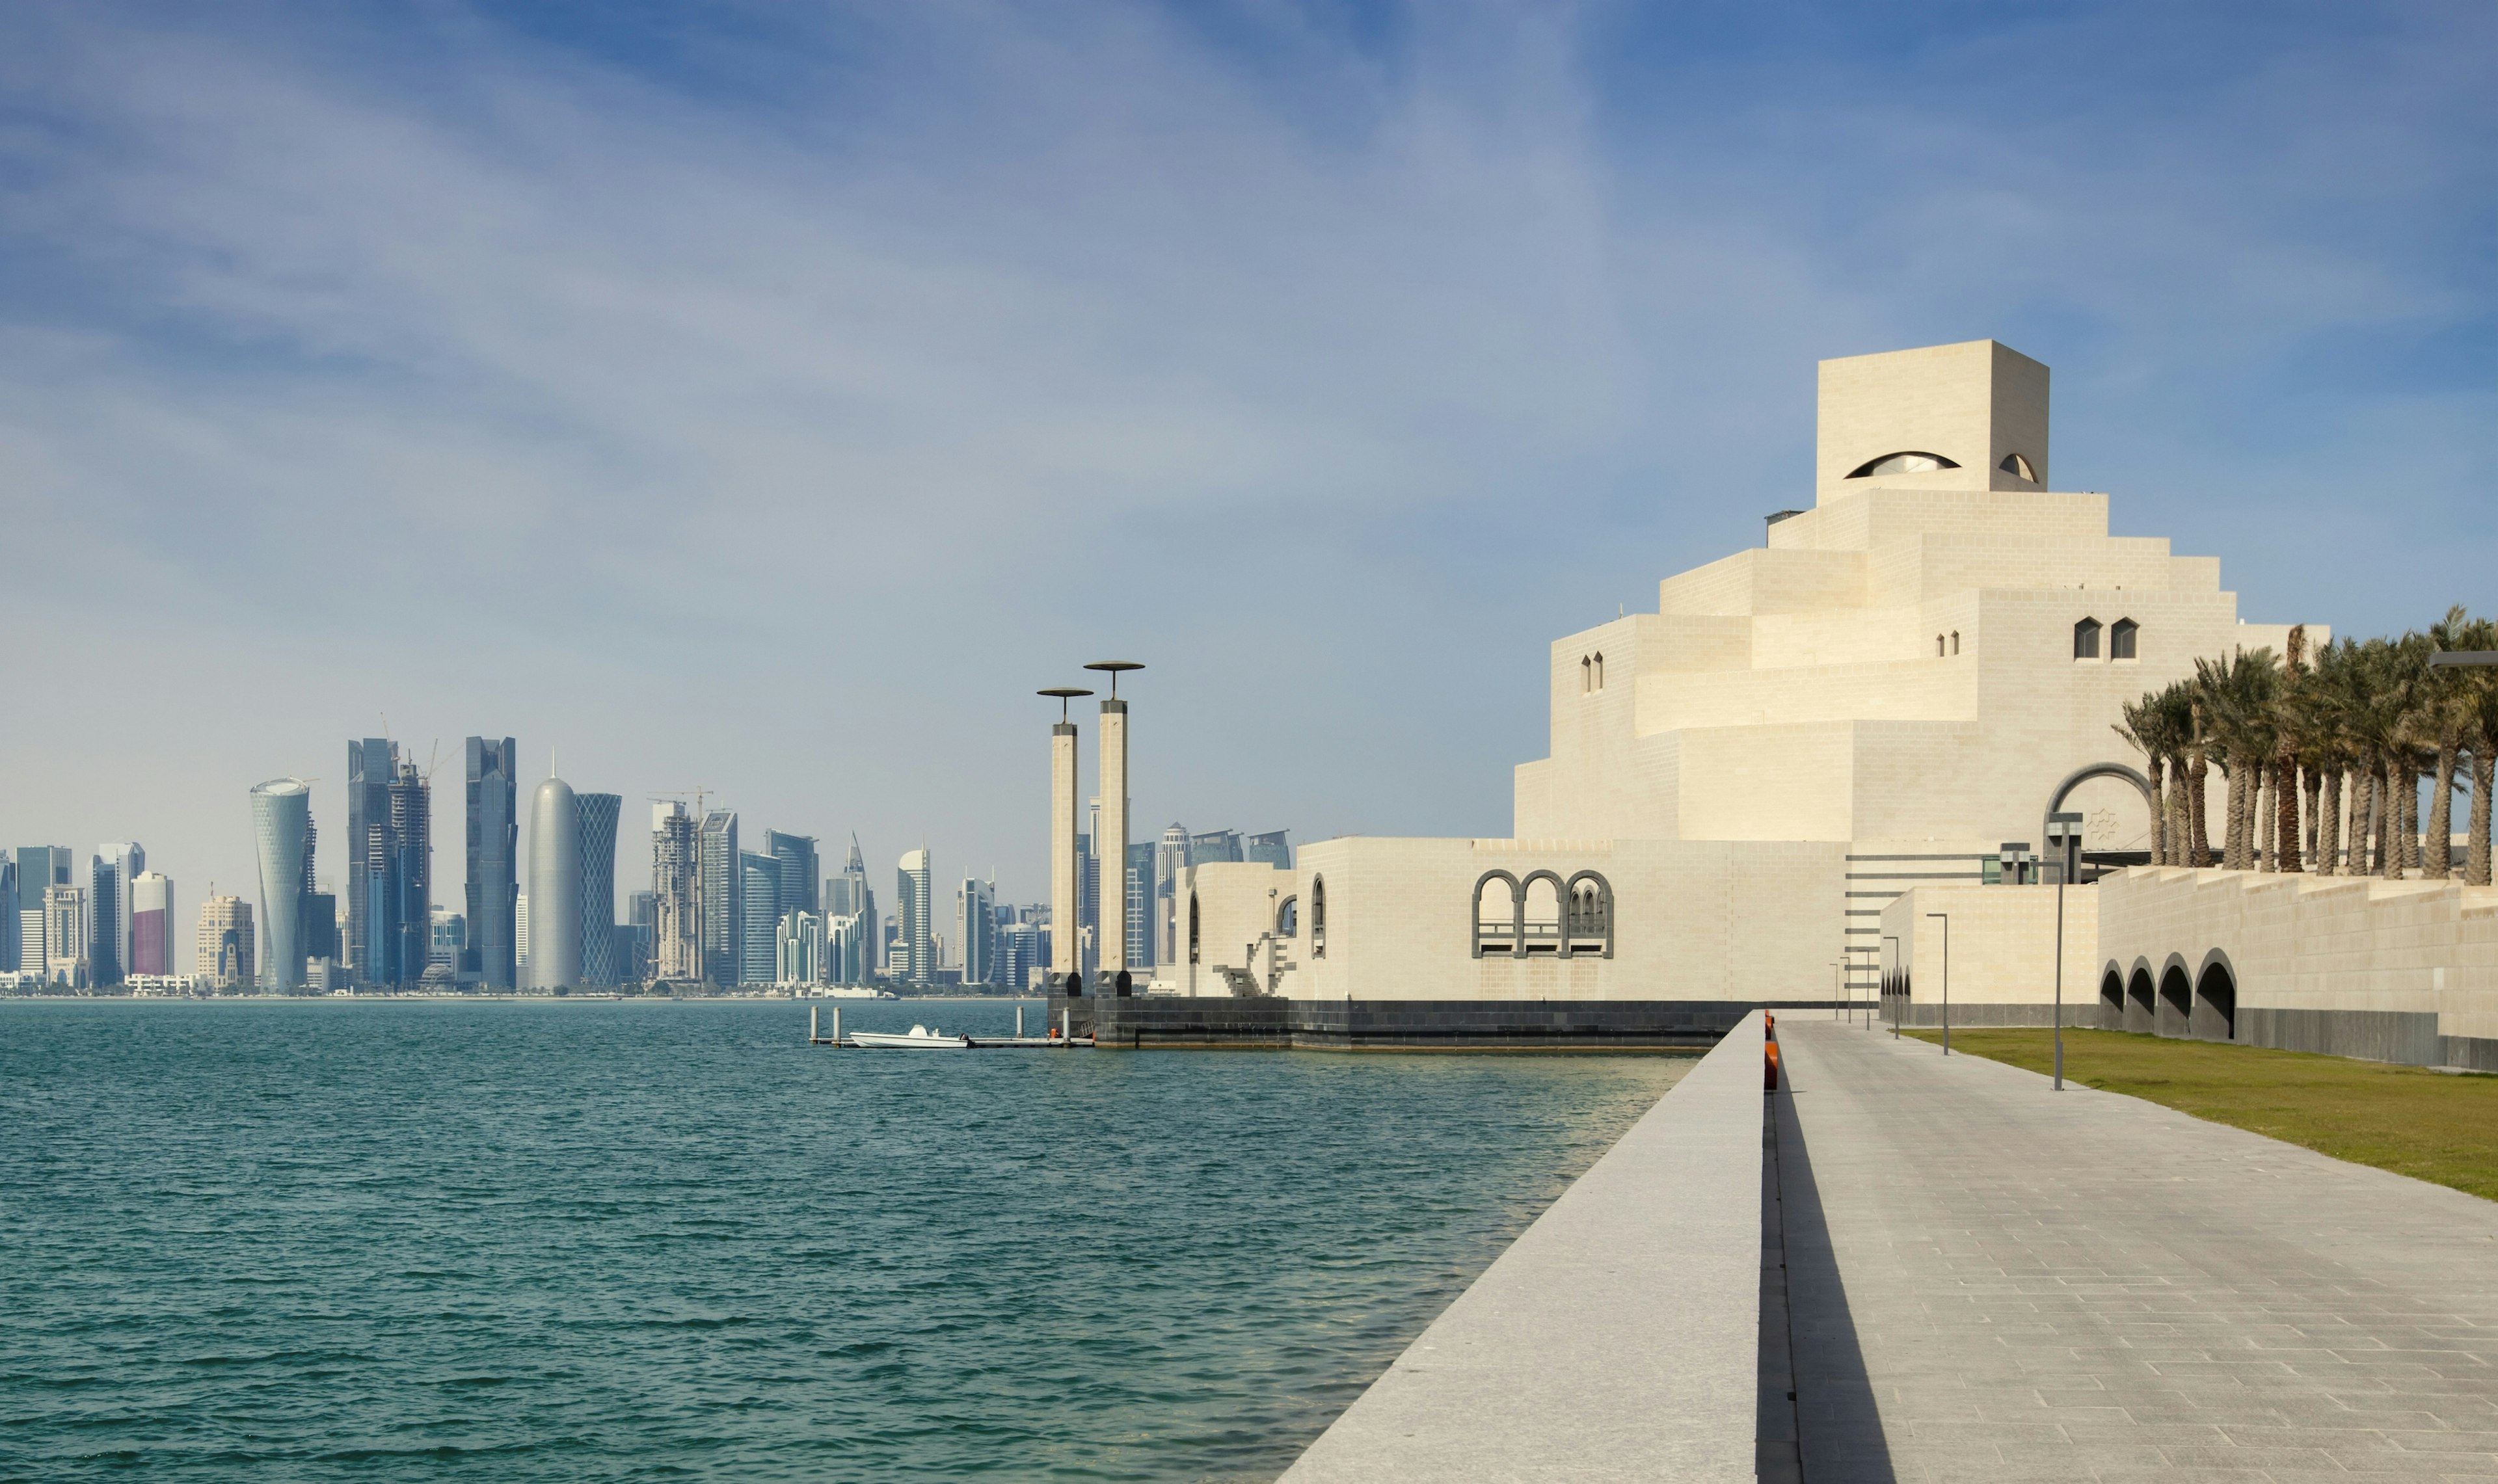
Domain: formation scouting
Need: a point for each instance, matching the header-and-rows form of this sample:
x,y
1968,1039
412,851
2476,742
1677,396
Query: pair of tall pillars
x,y
1110,846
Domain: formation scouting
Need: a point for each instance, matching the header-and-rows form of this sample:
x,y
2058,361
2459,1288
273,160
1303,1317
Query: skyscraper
x,y
7,913
116,866
389,865
222,950
1214,845
799,942
975,927
281,817
796,854
597,850
845,953
910,905
1171,858
40,869
723,899
1141,906
555,887
852,897
493,858
152,924
69,960
759,892
1273,848
676,894
642,931
1022,947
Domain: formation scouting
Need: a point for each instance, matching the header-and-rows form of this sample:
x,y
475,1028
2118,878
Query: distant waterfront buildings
x,y
798,868
222,949
116,866
281,815
975,927
758,889
389,869
1139,935
917,934
676,893
1023,949
1273,848
720,898
800,949
844,950
493,955
595,845
152,924
641,932
555,887
849,896
66,961
40,869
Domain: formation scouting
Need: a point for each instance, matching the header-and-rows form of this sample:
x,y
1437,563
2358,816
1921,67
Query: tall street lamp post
x,y
1946,917
2065,837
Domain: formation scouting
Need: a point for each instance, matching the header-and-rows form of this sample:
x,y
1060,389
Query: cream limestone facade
x,y
1889,688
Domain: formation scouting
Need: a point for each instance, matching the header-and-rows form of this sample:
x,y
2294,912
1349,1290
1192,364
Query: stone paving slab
x,y
1989,1279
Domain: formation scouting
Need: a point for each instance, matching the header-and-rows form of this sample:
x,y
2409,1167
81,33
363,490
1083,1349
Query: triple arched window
x,y
1541,913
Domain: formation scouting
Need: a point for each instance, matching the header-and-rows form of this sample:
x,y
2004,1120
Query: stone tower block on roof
x,y
1971,416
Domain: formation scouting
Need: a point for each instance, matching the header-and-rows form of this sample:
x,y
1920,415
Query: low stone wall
x,y
1617,1338
2079,1015
1415,1024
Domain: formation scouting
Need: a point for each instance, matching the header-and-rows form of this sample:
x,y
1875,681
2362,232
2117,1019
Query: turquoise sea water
x,y
292,1240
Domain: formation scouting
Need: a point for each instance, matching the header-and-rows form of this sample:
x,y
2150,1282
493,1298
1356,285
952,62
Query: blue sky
x,y
770,398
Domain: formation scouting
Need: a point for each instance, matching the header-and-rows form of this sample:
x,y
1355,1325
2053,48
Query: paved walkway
x,y
1993,1281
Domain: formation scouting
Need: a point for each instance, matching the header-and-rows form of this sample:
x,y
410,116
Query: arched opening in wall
x,y
1539,914
1287,918
1955,640
1318,917
2121,639
2216,1003
2176,1001
2018,467
2112,995
1910,462
1939,647
1191,928
1495,910
2138,1012
2086,638
1600,670
1587,674
1588,916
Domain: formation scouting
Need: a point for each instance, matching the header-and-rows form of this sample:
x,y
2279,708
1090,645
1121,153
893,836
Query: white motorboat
x,y
920,1038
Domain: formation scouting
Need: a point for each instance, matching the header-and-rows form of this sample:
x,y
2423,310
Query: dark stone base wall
x,y
2406,1038
1417,1024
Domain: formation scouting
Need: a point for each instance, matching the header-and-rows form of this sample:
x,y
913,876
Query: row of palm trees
x,y
2323,754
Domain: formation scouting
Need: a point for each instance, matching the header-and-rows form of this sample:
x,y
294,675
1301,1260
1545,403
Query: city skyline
x,y
1361,327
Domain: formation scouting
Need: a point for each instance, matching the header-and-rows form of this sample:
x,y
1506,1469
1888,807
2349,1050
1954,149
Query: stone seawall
x,y
1415,1024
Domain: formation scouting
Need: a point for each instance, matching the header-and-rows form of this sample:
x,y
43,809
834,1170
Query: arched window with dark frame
x,y
1191,928
1539,913
1318,917
2121,639
1587,674
1955,640
1495,913
1600,670
2086,638
1588,915
1287,918
1939,647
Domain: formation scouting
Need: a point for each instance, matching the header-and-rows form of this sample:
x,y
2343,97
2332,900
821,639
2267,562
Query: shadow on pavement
x,y
1838,1429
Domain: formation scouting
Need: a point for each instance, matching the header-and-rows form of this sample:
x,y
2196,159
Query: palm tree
x,y
2290,716
2236,697
2445,715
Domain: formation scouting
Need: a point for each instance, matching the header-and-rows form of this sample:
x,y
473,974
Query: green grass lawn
x,y
2426,1124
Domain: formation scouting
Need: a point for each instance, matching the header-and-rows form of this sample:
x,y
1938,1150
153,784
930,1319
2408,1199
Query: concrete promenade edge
x,y
1988,1280
1615,1339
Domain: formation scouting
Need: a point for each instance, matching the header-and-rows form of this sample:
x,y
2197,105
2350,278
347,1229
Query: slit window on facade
x,y
2086,638
1318,917
2120,635
1939,647
1910,461
1600,670
1587,674
1955,640
1192,927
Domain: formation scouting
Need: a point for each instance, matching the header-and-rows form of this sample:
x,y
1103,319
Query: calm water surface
x,y
621,1241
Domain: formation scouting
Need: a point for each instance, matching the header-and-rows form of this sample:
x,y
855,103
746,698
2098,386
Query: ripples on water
x,y
600,1241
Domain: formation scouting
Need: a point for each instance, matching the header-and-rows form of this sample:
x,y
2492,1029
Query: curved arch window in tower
x,y
2121,639
1287,918
1587,674
1191,928
2018,467
1600,670
1939,647
1496,905
1955,640
2086,638
1588,916
1539,913
1318,917
1908,461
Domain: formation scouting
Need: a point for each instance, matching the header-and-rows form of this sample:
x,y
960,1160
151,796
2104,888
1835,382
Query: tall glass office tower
x,y
799,884
389,866
1273,848
911,906
759,897
493,859
152,924
722,898
281,821
975,929
116,866
597,850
